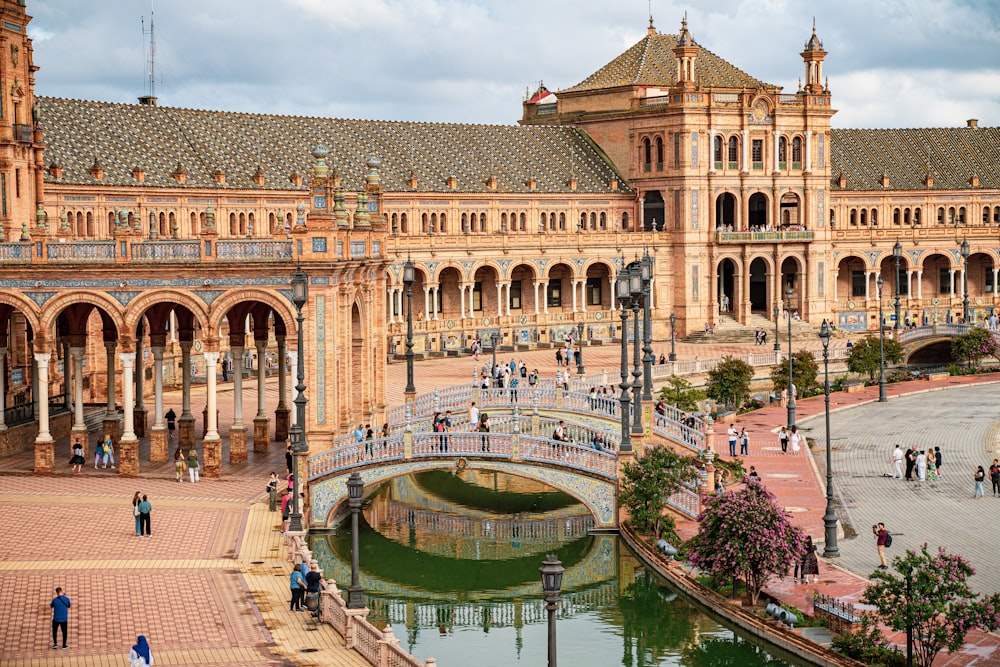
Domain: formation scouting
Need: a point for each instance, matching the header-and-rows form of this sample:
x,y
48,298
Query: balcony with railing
x,y
258,251
763,237
22,133
166,251
82,251
15,252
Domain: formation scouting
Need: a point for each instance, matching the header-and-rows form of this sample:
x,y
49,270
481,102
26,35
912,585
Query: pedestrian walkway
x,y
798,482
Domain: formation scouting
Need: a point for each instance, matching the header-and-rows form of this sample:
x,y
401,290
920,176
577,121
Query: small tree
x,y
680,393
804,372
649,481
729,382
940,607
975,344
864,357
746,534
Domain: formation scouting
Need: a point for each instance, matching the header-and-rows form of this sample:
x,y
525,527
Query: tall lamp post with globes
x,y
552,575
777,316
579,348
830,548
791,386
881,344
300,294
646,269
408,277
636,290
623,295
673,334
965,281
897,253
355,491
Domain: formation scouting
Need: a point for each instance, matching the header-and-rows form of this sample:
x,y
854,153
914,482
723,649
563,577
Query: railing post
x,y
388,639
536,419
559,397
408,443
515,438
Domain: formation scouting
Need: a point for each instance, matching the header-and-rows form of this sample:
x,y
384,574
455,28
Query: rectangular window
x,y
17,183
515,295
677,149
477,297
3,194
594,291
944,281
553,294
757,153
859,280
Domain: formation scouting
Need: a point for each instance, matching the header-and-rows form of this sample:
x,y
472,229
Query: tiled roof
x,y
651,62
157,139
954,154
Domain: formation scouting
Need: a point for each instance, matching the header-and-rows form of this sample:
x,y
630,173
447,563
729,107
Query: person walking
x,y
144,507
297,583
783,439
484,428
60,616
881,535
109,451
171,418
288,457
192,464
808,565
995,477
77,460
99,453
911,461
922,465
733,435
136,499
272,492
795,440
978,479
937,460
744,442
897,462
179,465
140,655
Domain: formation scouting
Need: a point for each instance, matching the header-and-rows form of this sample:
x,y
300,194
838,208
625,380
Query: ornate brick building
x,y
162,240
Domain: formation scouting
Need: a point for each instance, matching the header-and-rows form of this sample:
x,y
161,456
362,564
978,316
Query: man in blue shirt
x,y
60,616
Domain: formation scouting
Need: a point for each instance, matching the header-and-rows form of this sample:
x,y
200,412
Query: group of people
x,y
759,336
922,465
141,510
980,477
187,462
364,433
104,455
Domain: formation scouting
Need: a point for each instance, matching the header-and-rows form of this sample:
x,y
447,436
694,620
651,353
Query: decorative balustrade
x,y
763,237
725,98
345,455
19,414
255,250
940,329
23,133
687,501
82,251
15,252
571,455
791,100
166,251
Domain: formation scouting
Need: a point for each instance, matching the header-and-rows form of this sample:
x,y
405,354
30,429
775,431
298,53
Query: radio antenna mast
x,y
149,99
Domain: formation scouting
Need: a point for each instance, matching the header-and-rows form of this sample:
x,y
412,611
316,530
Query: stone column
x,y
44,445
807,163
576,285
951,283
212,444
67,376
745,153
583,295
111,414
281,412
545,296
536,284
437,300
140,391
868,284
185,423
461,295
392,305
776,167
78,434
237,432
128,446
920,284
427,302
261,424
158,435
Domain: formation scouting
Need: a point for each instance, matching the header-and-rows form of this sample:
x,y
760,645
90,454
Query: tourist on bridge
x,y
272,492
297,584
484,428
473,416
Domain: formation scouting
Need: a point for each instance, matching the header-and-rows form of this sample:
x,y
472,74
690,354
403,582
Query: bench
x,y
937,375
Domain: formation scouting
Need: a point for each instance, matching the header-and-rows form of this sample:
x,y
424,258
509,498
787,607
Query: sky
x,y
891,63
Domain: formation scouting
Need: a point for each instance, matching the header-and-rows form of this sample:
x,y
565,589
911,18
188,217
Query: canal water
x,y
451,561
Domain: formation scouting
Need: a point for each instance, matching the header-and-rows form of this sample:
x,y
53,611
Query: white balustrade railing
x,y
687,501
571,455
257,250
15,252
166,251
76,251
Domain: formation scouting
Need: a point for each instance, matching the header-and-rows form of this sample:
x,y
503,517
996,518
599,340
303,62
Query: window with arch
x,y
552,221
659,154
272,222
717,151
91,230
562,222
542,222
782,153
522,222
423,223
111,223
403,227
602,221
864,217
434,223
465,223
854,217
193,224
940,215
593,221
482,222
874,217
961,215
172,222
833,218
647,154
233,230
503,222
896,216
906,216
583,221
444,222
951,215
734,153
916,216
986,215
78,223
797,153
625,221
996,215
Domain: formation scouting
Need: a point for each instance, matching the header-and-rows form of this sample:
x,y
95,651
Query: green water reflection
x,y
451,562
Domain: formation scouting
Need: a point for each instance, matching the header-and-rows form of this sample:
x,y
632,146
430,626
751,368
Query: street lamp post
x,y
791,386
909,616
646,269
579,348
622,293
965,281
777,342
673,332
493,340
355,491
552,574
881,344
830,548
635,287
300,294
408,278
897,253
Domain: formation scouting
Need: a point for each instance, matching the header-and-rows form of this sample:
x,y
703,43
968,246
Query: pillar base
x,y
111,426
139,422
45,452
282,420
204,420
237,444
211,461
128,457
79,436
261,435
185,432
158,444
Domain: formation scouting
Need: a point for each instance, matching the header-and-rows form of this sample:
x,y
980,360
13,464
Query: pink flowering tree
x,y
745,534
939,605
974,345
649,481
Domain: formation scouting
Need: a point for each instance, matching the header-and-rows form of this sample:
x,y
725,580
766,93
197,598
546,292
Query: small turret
x,y
686,52
813,56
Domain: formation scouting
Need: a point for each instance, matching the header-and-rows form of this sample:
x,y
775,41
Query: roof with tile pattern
x,y
953,155
158,139
651,62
